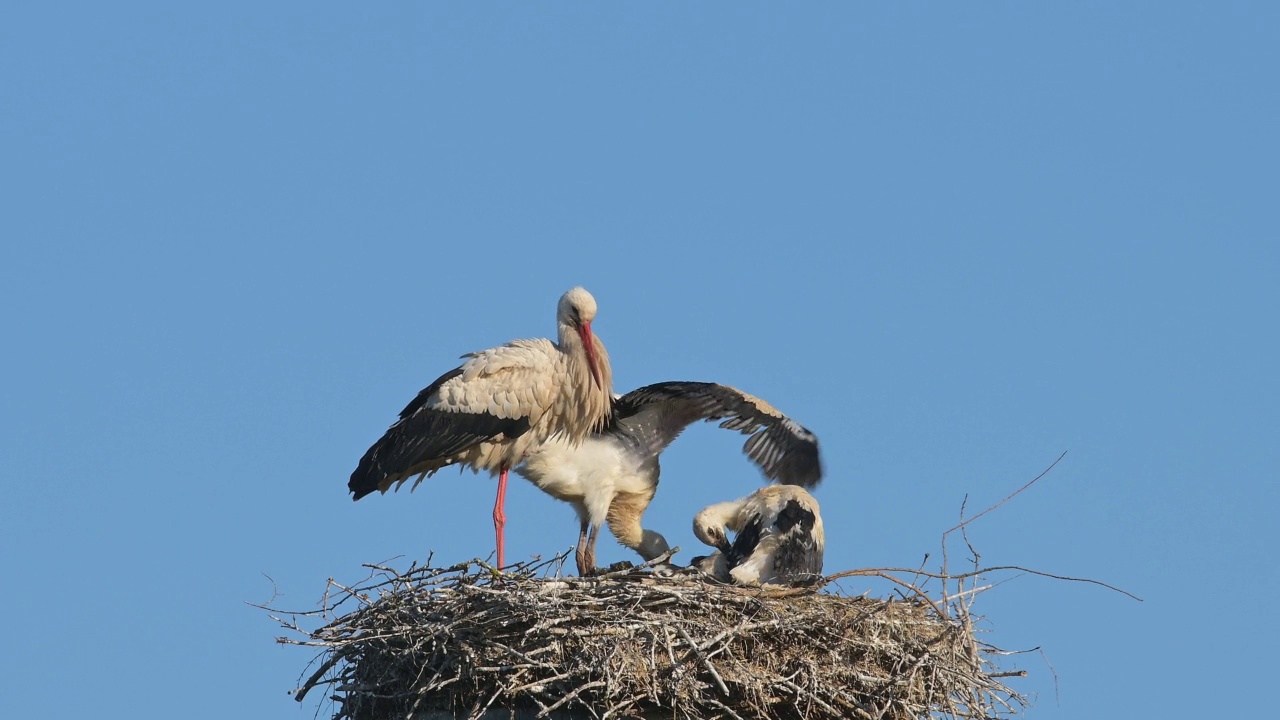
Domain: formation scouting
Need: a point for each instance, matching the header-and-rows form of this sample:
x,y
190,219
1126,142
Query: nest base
x,y
465,641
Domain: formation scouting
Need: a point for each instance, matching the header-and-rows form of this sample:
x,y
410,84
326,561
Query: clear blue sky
x,y
954,241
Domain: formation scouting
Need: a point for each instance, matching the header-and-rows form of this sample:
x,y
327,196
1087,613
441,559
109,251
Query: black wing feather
x,y
796,550
794,513
423,436
745,542
655,415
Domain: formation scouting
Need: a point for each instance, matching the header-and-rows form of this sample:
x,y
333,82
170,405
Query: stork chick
x,y
779,537
500,405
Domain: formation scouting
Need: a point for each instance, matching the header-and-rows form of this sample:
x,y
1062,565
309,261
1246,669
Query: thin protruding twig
x,y
881,572
1010,496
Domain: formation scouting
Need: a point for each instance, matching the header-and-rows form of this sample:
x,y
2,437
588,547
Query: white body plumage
x,y
603,480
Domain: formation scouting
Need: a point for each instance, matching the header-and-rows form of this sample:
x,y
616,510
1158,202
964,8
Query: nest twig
x,y
464,639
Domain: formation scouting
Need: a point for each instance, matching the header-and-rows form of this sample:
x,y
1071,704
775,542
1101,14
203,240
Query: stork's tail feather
x,y
424,441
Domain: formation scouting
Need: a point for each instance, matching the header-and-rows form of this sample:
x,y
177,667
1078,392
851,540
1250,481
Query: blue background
x,y
953,240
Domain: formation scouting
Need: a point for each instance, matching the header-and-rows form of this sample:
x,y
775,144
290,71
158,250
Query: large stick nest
x,y
465,639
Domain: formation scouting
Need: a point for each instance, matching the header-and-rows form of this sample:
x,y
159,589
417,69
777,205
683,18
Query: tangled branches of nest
x,y
464,639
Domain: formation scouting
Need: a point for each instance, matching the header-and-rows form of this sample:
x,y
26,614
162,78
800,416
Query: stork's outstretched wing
x,y
653,416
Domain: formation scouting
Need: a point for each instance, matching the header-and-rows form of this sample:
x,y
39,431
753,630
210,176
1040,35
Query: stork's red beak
x,y
584,332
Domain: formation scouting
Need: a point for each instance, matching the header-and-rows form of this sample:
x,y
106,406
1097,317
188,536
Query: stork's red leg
x,y
500,517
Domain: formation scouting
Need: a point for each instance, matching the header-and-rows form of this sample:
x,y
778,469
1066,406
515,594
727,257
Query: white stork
x,y
499,405
779,537
613,474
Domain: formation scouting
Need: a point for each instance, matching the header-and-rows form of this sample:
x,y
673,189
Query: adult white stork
x,y
613,475
498,406
779,537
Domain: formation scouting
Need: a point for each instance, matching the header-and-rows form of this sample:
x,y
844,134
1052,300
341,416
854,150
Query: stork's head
x,y
652,544
576,311
709,525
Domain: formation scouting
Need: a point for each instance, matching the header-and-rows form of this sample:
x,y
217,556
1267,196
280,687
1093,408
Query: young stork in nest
x,y
497,407
779,537
613,475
